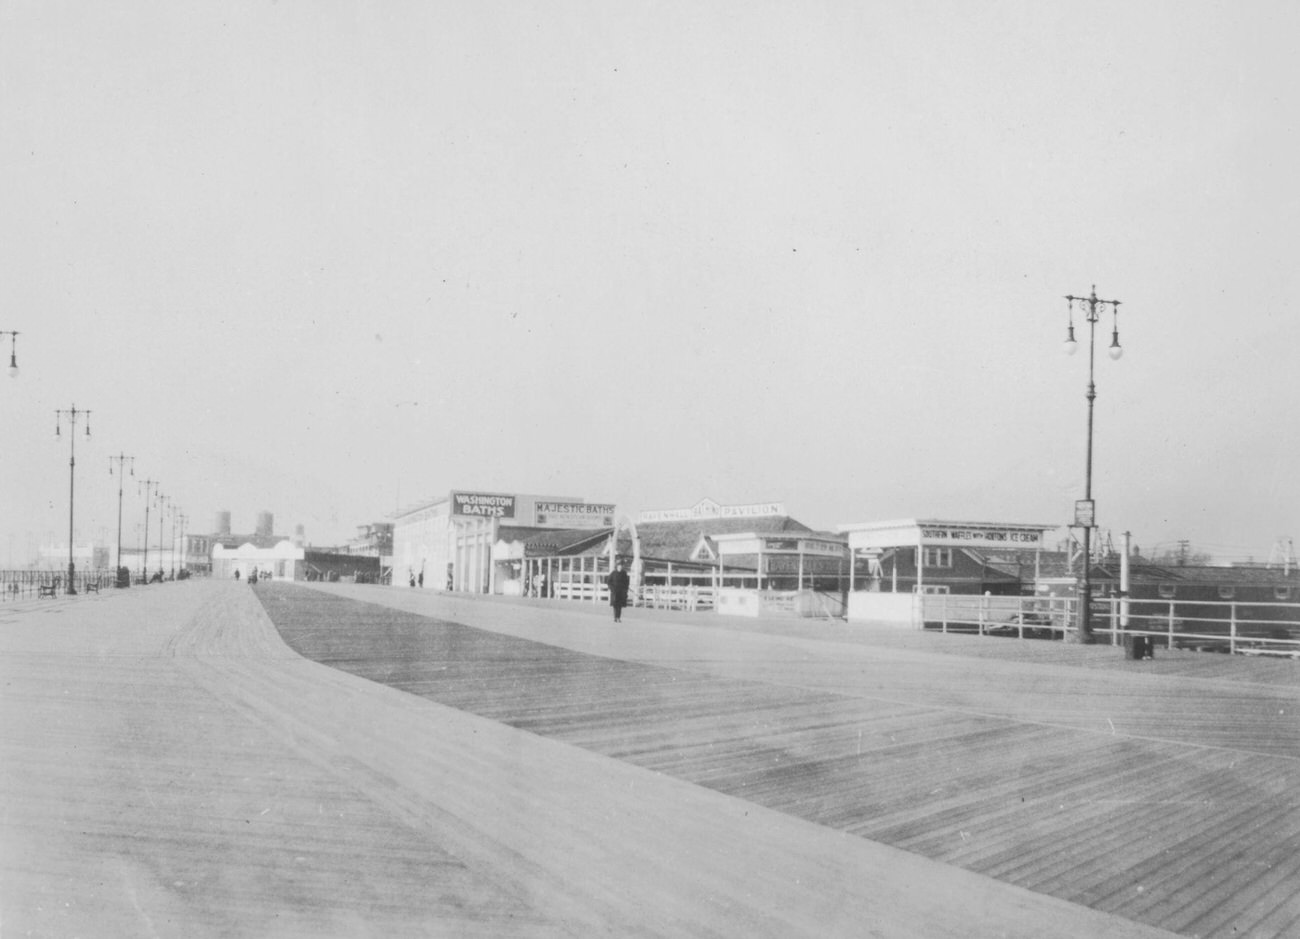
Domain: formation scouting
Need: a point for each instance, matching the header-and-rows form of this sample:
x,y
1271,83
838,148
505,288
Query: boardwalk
x,y
169,766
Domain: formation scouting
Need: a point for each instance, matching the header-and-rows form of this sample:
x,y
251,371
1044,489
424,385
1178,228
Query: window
x,y
937,557
932,589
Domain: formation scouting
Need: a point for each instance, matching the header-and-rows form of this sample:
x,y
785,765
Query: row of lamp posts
x,y
121,465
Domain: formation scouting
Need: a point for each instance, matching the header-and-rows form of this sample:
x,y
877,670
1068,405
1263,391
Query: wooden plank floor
x,y
1164,792
169,767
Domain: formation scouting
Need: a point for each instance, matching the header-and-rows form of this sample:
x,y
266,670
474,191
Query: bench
x,y
47,590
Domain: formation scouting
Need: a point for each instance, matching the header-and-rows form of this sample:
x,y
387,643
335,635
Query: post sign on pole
x,y
1085,513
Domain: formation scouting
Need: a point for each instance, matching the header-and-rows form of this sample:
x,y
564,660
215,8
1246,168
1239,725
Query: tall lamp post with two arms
x,y
72,414
1085,510
122,462
148,486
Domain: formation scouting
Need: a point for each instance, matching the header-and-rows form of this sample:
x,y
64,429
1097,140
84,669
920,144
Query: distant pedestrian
x,y
420,579
412,578
618,583
541,586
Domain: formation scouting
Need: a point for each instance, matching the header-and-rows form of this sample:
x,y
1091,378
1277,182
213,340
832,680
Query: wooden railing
x,y
664,597
581,590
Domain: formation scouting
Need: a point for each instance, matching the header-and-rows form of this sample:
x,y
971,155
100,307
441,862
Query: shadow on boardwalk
x,y
1161,791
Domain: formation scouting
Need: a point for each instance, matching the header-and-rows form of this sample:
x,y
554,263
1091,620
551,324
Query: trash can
x,y
1139,647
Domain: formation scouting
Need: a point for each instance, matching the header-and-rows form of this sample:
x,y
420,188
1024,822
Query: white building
x,y
463,541
281,561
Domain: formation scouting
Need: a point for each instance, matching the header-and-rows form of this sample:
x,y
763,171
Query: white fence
x,y
1024,617
659,597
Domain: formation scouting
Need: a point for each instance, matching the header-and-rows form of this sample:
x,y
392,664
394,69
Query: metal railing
x,y
1233,626
31,585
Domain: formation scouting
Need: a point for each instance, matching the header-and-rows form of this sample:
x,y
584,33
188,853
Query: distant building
x,y
279,561
749,559
90,556
198,549
374,539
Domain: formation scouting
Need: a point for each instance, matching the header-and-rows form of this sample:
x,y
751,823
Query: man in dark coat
x,y
617,581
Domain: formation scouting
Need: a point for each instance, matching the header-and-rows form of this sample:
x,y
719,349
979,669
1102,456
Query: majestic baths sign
x,y
575,514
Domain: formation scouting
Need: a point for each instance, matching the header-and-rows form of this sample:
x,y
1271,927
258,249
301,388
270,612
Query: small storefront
x,y
896,564
564,564
680,552
781,574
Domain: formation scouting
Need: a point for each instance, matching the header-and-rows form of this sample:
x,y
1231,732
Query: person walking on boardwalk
x,y
617,581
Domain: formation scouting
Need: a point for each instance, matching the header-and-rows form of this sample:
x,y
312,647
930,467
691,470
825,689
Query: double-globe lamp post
x,y
163,503
128,463
147,486
179,566
72,414
1085,512
175,516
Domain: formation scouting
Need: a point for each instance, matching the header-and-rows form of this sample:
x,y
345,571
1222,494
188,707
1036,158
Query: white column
x,y
1124,579
920,563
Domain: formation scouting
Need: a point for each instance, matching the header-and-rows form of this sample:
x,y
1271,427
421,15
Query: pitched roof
x,y
1211,575
551,542
674,541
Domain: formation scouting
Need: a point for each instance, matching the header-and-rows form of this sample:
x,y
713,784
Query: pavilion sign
x,y
707,508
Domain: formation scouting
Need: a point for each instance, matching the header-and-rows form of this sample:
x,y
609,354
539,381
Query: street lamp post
x,y
72,414
122,460
1085,512
147,485
175,512
13,350
184,564
162,507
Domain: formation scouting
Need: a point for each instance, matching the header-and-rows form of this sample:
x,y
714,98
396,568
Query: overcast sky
x,y
329,258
